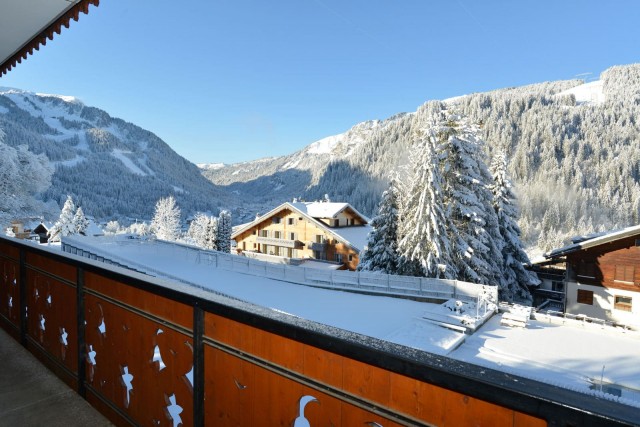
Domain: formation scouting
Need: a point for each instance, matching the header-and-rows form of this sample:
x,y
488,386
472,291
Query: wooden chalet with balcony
x,y
335,233
602,277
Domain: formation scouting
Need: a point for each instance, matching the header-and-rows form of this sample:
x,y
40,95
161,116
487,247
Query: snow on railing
x,y
371,282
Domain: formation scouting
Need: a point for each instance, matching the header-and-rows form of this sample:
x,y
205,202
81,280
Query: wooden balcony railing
x,y
144,351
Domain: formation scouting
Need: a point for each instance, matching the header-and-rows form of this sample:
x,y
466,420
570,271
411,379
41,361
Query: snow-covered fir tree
x,y
424,247
80,222
139,228
514,259
472,223
166,220
223,236
112,227
65,225
382,245
203,231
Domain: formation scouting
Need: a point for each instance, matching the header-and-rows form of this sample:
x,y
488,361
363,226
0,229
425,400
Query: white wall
x,y
603,304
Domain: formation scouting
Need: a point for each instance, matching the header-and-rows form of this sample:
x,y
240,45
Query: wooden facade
x,y
145,353
603,280
291,233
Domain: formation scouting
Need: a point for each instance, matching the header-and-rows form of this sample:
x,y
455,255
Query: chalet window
x,y
338,257
336,222
585,297
622,303
319,238
624,273
275,220
290,252
587,269
277,234
350,257
254,232
291,221
264,233
292,236
254,246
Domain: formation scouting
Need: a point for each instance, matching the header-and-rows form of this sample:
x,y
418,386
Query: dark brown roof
x,y
40,36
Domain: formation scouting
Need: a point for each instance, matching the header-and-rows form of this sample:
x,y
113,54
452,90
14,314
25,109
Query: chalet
x,y
325,231
602,278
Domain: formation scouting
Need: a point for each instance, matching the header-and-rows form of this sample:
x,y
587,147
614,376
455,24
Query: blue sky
x,y
235,80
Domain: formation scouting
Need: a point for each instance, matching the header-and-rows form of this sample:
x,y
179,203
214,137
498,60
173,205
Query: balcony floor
x,y
31,395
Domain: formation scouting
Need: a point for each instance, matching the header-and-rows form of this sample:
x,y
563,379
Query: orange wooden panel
x,y
164,308
52,317
10,251
229,332
323,366
465,411
524,420
280,351
354,416
417,399
10,291
65,271
229,389
367,381
139,365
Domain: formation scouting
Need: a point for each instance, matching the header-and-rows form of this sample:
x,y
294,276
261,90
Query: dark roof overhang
x,y
26,25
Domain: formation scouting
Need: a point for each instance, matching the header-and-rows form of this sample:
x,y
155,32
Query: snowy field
x,y
561,352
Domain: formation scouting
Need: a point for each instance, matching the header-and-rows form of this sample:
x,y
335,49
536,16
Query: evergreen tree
x,y
223,235
64,226
472,224
516,277
424,247
211,234
166,220
80,222
382,246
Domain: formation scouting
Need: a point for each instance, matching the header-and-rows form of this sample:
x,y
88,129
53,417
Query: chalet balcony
x,y
144,350
315,246
273,241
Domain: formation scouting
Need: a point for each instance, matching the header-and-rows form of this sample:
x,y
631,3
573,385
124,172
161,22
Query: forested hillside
x,y
573,153
112,168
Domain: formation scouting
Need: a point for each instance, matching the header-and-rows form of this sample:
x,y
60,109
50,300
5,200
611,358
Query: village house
x,y
602,278
332,232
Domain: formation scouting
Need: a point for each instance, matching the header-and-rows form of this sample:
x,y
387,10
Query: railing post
x,y
81,327
23,296
198,365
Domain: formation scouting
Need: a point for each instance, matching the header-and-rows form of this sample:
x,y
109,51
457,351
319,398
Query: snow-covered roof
x,y
325,209
599,239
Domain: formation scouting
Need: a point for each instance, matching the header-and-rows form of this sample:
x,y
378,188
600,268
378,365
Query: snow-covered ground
x,y
590,93
561,352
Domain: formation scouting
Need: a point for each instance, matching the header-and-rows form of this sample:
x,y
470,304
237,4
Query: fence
x,y
378,283
145,352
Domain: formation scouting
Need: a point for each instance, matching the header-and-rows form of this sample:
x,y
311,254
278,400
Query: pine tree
x,y
472,223
516,277
80,222
223,237
211,234
424,247
166,220
64,226
382,246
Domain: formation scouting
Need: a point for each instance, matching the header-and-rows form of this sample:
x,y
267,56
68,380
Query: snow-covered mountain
x,y
112,168
573,147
